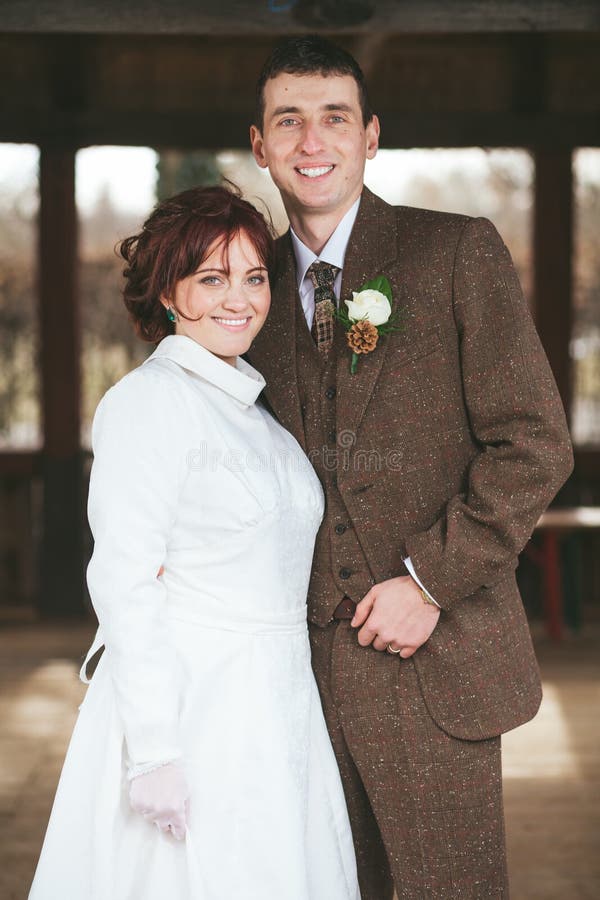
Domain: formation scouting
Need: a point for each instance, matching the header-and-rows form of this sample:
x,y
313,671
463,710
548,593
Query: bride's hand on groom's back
x,y
394,615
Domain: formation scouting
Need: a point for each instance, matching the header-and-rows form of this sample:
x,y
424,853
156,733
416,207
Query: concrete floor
x,y
551,766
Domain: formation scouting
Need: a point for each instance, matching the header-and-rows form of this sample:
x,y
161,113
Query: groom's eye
x,y
287,122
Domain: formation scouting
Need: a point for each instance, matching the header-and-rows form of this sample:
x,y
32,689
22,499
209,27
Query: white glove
x,y
161,796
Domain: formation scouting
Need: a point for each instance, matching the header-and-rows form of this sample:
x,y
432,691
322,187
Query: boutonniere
x,y
368,315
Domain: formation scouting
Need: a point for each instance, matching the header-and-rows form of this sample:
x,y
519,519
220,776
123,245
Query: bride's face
x,y
226,300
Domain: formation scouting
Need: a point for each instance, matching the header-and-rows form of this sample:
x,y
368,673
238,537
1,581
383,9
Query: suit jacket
x,y
462,412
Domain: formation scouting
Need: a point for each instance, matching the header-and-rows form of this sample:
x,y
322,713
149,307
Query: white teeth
x,y
232,321
315,172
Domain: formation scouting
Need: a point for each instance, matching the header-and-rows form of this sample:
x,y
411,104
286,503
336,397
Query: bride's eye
x,y
256,279
210,279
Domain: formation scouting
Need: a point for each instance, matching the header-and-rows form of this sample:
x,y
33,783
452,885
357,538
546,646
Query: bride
x,y
200,767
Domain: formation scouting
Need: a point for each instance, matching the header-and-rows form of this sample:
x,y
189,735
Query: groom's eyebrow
x,y
333,107
279,110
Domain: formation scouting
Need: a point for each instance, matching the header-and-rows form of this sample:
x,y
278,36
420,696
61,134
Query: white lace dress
x,y
210,662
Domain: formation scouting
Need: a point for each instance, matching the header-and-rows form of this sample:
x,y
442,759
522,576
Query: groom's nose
x,y
311,140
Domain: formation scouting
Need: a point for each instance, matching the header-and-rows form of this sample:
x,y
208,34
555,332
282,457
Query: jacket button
x,y
340,529
332,437
330,393
345,573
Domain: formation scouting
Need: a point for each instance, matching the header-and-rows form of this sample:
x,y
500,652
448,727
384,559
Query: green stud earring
x,y
171,315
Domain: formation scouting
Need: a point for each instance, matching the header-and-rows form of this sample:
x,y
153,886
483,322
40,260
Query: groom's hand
x,y
393,612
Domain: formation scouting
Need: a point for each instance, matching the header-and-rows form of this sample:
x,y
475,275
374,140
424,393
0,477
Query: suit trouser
x,y
425,808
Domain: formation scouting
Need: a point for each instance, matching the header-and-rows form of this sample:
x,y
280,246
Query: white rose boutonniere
x,y
368,315
369,305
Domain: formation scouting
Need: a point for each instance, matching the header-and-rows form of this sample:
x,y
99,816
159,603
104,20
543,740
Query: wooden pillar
x,y
552,260
61,582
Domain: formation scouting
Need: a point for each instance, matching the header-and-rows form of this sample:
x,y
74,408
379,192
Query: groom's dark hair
x,y
310,55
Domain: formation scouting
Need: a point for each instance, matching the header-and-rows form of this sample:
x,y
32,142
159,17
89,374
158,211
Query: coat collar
x,y
242,382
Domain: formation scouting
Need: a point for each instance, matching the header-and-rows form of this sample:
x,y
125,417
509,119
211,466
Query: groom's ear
x,y
256,142
372,135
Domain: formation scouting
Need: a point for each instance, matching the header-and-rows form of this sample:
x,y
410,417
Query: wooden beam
x,y
230,130
552,261
295,16
190,92
61,582
59,303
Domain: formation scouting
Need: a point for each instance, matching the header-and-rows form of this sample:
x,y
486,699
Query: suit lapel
x,y
371,251
273,351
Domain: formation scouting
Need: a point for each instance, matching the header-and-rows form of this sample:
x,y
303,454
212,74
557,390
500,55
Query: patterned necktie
x,y
322,276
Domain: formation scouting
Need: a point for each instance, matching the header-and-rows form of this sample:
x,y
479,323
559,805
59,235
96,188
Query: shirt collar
x,y
334,250
241,381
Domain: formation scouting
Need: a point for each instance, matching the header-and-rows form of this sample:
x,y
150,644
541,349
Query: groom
x,y
437,457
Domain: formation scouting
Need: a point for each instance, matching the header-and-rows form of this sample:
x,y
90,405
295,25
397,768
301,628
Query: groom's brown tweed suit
x,y
446,445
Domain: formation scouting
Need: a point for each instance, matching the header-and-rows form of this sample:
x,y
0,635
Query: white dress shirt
x,y
334,252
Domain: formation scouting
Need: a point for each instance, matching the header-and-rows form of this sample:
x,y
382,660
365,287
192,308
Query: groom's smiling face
x,y
314,142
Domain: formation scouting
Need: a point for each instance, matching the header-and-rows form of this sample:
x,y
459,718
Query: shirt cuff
x,y
415,577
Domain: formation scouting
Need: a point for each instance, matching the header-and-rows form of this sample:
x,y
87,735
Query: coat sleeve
x,y
516,418
136,478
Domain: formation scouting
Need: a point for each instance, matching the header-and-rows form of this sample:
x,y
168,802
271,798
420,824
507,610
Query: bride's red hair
x,y
174,240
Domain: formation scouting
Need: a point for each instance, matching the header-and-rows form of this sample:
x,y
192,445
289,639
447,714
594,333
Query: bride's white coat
x,y
210,662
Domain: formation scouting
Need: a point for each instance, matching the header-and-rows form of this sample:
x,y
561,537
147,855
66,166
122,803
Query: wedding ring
x,y
391,649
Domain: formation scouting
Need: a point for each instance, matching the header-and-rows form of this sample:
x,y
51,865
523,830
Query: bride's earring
x,y
171,315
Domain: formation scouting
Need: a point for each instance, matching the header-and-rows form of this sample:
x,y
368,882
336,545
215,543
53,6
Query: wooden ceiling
x,y
441,72
261,17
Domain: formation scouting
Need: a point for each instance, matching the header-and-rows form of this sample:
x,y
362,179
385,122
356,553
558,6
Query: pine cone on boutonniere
x,y
362,337
368,315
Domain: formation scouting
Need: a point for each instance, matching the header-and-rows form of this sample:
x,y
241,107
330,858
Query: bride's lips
x,y
233,325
